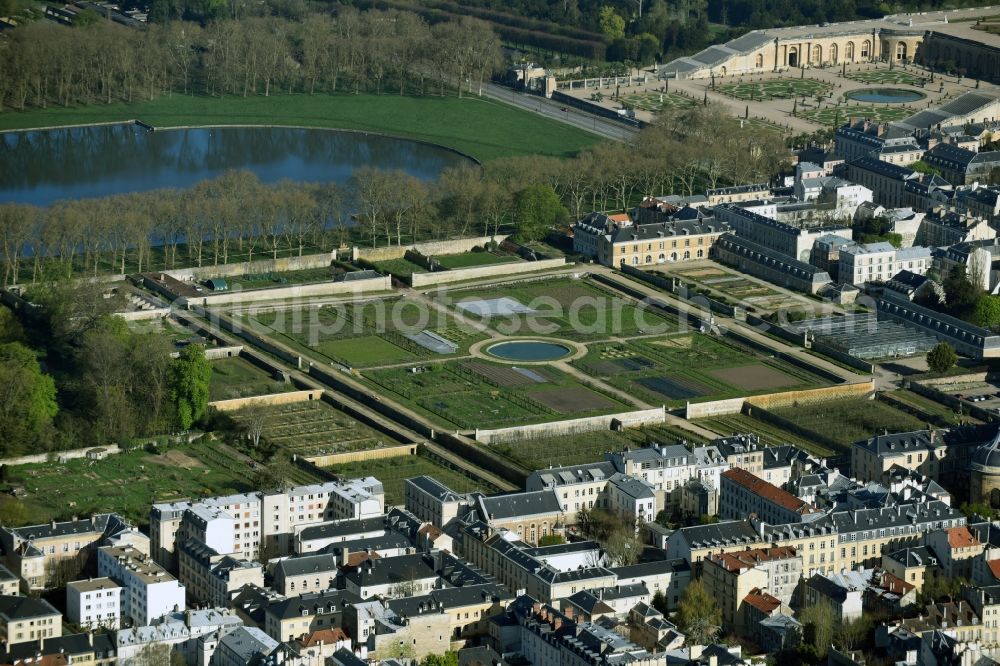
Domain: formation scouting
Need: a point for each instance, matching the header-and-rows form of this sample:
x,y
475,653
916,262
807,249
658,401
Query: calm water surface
x,y
40,167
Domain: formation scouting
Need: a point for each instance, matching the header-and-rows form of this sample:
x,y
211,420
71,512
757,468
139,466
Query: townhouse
x,y
304,614
733,577
620,242
393,577
214,578
879,262
24,619
431,501
794,242
913,564
956,549
531,515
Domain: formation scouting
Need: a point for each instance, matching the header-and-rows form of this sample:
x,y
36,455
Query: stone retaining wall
x,y
268,400
240,297
571,426
418,280
429,249
330,459
72,454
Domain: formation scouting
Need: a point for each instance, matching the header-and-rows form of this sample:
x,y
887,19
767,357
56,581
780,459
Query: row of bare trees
x,y
237,218
43,64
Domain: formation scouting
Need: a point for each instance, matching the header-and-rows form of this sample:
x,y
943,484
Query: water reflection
x,y
41,167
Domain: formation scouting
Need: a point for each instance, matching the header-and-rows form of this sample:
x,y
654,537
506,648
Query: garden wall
x,y
481,456
701,410
922,388
791,426
418,280
330,459
213,353
259,266
72,454
239,297
843,357
268,400
571,426
429,249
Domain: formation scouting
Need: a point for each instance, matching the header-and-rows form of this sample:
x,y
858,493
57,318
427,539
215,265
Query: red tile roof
x,y
762,601
619,217
768,491
327,636
747,559
994,566
894,584
961,537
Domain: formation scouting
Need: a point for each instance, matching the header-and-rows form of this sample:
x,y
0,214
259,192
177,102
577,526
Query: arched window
x,y
995,498
866,49
662,258
701,253
635,261
834,52
901,51
673,256
759,61
817,55
793,57
649,258
849,52
687,254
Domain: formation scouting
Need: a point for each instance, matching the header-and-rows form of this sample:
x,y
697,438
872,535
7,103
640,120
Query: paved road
x,y
609,129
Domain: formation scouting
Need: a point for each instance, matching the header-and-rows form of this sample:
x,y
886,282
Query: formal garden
x,y
837,115
690,368
369,333
475,393
657,102
884,76
784,88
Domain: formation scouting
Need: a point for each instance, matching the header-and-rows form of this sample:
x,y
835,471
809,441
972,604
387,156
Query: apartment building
x,y
664,467
956,549
879,262
10,584
598,485
273,516
191,634
149,591
42,555
743,494
298,616
794,242
213,578
307,573
431,501
914,564
393,577
696,543
24,619
95,603
245,646
531,514
731,577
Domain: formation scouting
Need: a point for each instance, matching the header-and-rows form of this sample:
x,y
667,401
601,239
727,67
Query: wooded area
x,y
43,63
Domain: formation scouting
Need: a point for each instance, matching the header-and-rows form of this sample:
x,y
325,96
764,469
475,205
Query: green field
x,y
392,472
566,308
481,394
129,482
478,127
850,420
402,268
470,259
689,368
588,447
363,334
775,89
312,428
238,378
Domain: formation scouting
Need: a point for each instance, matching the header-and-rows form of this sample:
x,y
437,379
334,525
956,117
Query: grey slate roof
x,y
725,532
297,566
316,603
19,608
503,507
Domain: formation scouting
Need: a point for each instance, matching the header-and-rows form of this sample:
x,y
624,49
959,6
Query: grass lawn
x,y
399,267
850,420
469,259
392,472
565,308
264,280
238,378
127,483
478,127
365,350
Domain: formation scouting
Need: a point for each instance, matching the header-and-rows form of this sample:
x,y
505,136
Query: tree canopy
x,y
27,400
942,357
538,209
698,615
190,375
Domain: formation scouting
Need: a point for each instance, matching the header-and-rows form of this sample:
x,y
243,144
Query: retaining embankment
x,y
295,291
61,456
379,453
572,426
268,400
430,249
700,410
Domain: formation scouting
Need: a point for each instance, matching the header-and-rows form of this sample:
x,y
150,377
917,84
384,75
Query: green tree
x,y
190,375
660,602
986,312
612,24
818,626
551,540
449,658
961,296
976,509
27,399
276,474
941,358
923,167
698,614
538,209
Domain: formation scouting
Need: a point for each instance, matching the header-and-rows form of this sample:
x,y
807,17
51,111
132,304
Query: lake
x,y
43,166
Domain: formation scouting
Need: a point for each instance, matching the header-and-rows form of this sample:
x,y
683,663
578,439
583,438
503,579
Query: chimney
x,y
568,612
